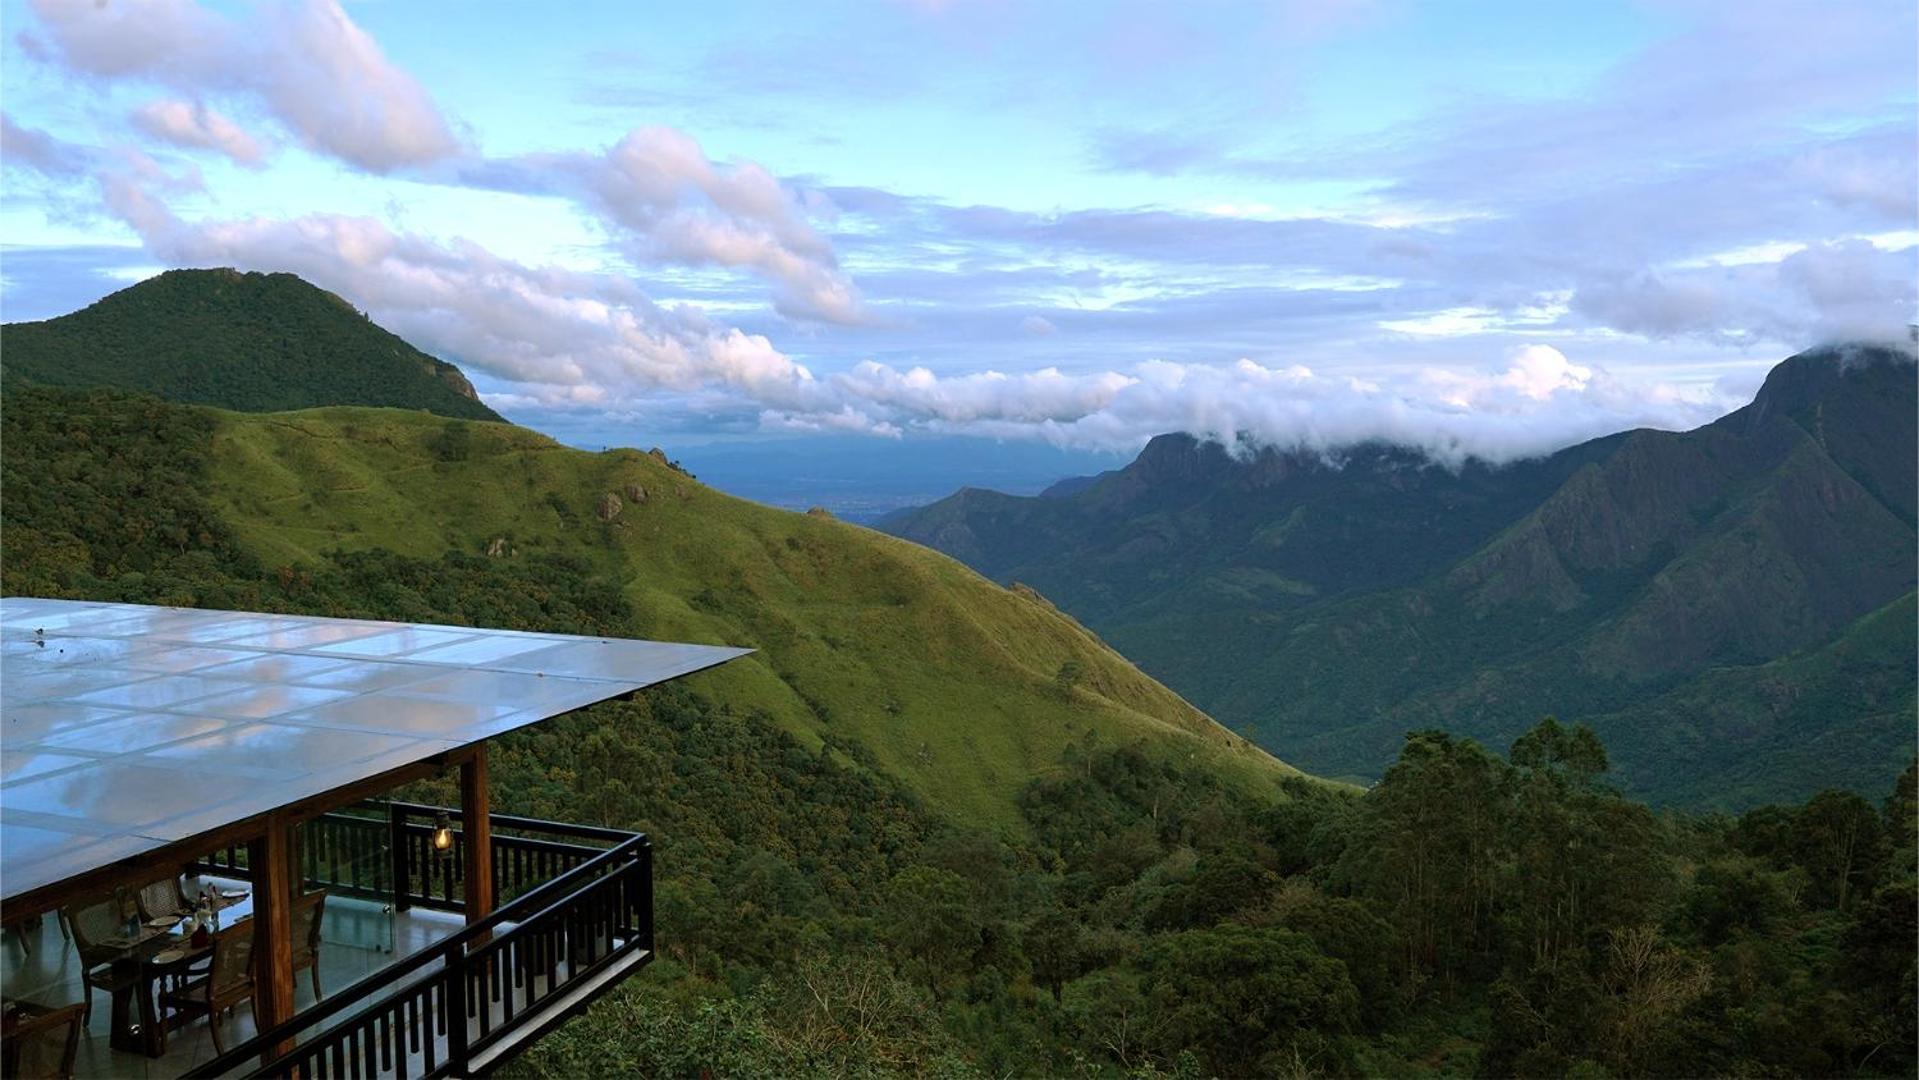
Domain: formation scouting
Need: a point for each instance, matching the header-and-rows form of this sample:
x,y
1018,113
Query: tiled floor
x,y
356,937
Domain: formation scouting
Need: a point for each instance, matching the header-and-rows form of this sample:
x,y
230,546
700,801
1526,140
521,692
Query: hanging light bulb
x,y
442,834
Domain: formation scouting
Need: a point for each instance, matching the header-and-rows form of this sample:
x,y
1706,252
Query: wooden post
x,y
270,857
402,864
476,830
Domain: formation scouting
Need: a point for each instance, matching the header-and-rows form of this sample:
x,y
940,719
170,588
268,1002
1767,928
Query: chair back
x,y
164,897
92,924
232,966
305,917
44,1045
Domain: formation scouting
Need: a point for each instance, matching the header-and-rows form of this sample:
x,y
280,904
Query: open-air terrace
x,y
203,871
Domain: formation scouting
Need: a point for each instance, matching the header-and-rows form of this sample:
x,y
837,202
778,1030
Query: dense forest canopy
x,y
1472,913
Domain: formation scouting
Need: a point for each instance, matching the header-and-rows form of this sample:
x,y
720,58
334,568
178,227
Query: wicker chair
x,y
228,981
305,916
91,926
42,1042
163,899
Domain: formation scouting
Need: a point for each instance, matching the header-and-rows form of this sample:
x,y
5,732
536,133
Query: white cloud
x,y
1538,402
571,340
23,147
308,65
193,124
567,338
1828,291
303,60
675,205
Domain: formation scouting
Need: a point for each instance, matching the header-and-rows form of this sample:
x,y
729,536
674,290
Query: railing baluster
x,y
413,1023
396,1045
455,996
386,1040
429,1038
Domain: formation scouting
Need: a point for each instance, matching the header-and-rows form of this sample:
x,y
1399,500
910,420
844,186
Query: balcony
x,y
146,747
575,916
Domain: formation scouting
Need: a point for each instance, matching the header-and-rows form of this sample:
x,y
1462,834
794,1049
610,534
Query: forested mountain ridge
x,y
1325,607
934,828
247,341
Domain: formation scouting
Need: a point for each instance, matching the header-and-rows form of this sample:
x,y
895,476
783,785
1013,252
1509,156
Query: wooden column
x,y
476,831
270,858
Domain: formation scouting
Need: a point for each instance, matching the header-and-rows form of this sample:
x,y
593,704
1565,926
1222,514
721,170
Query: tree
x,y
1839,840
850,1013
1649,985
1222,883
928,914
1241,997
1902,818
1349,932
1109,1011
1572,752
1426,850
1583,857
1052,944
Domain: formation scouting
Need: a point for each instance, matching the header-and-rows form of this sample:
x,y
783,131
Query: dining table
x,y
161,949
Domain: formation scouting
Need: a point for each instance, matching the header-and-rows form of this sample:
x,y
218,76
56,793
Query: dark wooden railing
x,y
525,854
471,1001
363,852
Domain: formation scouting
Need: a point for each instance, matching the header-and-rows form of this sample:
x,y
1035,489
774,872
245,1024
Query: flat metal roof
x,y
125,727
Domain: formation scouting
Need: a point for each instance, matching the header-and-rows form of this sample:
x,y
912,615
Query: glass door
x,y
347,854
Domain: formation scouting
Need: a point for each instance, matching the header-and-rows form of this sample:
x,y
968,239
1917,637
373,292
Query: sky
x,y
1478,228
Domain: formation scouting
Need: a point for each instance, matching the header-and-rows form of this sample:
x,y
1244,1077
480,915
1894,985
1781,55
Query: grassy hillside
x,y
254,342
1325,608
958,688
1145,902
954,685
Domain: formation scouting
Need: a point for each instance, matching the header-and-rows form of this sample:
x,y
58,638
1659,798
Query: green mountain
x,y
953,683
1642,582
935,828
252,342
959,690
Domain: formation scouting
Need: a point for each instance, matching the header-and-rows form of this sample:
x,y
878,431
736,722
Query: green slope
x,y
1326,608
1836,716
254,342
960,689
950,682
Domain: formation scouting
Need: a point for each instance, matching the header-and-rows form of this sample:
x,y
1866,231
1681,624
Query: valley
x,y
1324,607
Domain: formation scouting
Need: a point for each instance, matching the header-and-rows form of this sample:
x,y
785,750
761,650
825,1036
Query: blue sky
x,y
1487,228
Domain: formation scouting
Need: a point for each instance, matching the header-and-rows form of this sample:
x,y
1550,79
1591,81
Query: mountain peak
x,y
248,341
1799,382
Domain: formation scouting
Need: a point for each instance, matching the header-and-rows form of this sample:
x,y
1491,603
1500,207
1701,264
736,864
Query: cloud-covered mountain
x,y
1724,603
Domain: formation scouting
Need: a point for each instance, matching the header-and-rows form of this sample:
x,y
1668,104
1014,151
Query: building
x,y
152,754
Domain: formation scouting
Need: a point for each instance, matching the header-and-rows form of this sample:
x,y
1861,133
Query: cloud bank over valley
x,y
1495,271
